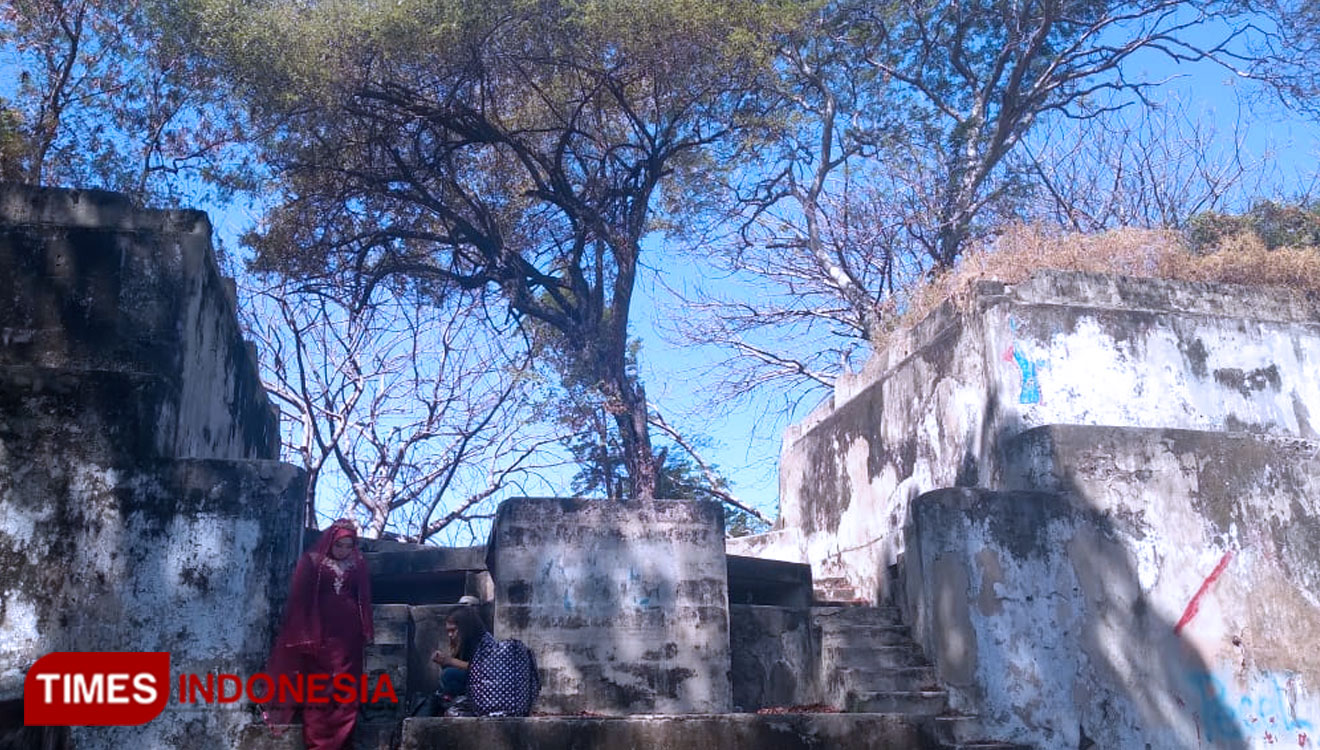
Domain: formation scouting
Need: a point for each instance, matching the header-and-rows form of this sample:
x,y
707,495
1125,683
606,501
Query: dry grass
x,y
1021,250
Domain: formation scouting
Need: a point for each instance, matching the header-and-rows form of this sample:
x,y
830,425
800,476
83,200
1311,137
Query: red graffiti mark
x,y
1301,739
1195,604
1269,738
1008,354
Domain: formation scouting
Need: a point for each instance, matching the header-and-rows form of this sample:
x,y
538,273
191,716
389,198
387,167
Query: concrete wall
x,y
775,655
935,408
107,309
1069,618
1103,496
137,512
190,557
624,604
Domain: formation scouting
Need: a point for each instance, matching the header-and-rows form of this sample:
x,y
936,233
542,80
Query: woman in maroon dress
x,y
327,622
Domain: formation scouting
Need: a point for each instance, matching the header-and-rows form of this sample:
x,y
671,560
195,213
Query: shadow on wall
x,y
1031,607
623,605
108,539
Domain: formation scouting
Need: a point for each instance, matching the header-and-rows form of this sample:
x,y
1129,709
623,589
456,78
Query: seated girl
x,y
465,629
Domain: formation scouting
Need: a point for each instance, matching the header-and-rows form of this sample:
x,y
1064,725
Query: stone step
x,y
833,589
855,634
871,656
367,735
827,601
851,731
837,615
902,679
906,702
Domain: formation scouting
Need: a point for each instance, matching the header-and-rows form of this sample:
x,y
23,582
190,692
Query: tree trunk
x,y
628,407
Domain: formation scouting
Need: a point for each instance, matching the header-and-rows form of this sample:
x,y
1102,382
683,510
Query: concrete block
x,y
1073,617
759,581
775,657
624,604
726,732
936,407
139,296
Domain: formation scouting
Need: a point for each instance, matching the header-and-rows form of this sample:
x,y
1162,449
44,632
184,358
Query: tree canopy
x,y
107,96
527,162
509,146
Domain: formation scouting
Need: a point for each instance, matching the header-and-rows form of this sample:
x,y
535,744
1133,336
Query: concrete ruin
x,y
143,509
624,605
1094,499
1079,512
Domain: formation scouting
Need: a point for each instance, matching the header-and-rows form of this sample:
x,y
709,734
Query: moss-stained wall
x,y
936,408
1103,497
139,510
105,308
624,604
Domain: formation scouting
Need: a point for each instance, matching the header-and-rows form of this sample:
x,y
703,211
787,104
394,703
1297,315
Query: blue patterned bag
x,y
502,678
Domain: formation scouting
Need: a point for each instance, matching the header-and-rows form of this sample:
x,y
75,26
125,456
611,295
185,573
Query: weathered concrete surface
x,y
937,406
137,512
388,654
423,574
106,308
624,604
760,581
775,655
1142,615
190,557
733,731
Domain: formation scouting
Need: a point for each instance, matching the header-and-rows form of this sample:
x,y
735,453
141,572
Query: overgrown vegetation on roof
x,y
1270,245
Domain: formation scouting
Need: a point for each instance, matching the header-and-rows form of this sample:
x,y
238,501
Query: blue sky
x,y
745,436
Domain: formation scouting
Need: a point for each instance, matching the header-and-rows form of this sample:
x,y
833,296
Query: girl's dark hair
x,y
470,629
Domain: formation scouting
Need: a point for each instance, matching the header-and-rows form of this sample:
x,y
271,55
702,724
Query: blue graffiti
x,y
1267,710
1030,384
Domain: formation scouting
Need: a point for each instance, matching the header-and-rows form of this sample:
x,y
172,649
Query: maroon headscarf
x,y
300,633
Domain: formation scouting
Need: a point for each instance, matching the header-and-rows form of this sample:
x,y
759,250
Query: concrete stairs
x,y
870,664
834,591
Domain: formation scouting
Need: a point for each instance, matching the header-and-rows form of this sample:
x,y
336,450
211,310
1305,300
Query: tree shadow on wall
x,y
1033,612
615,616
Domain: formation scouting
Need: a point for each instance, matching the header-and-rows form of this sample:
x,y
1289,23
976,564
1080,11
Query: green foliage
x,y
12,144
1275,224
106,98
740,523
503,145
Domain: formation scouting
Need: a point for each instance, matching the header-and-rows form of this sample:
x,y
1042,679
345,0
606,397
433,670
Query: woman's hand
x,y
441,658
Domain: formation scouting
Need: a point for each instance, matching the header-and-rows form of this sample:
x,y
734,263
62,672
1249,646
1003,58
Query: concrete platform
x,y
768,582
697,732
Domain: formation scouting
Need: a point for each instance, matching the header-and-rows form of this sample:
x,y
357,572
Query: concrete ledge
x,y
398,560
699,732
757,581
1084,289
94,209
1096,461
